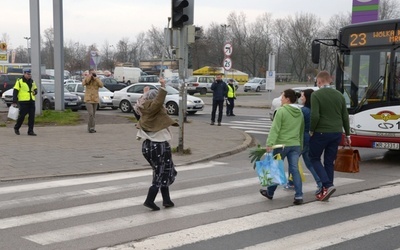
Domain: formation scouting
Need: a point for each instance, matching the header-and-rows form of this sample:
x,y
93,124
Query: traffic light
x,y
182,13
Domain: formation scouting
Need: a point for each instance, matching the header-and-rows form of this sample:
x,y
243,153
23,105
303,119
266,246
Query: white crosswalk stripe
x,y
252,126
230,189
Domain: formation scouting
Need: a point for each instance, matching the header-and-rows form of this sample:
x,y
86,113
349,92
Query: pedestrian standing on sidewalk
x,y
287,129
92,85
153,128
25,90
329,117
231,97
220,90
305,100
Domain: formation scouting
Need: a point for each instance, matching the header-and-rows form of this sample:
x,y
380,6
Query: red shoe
x,y
325,194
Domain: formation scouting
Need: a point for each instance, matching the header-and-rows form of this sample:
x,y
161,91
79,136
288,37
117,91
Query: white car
x,y
255,84
276,102
126,98
105,95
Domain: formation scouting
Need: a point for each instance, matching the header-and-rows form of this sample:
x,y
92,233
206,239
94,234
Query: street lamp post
x,y
225,26
27,47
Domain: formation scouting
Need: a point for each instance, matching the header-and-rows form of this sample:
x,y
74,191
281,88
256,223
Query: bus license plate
x,y
387,145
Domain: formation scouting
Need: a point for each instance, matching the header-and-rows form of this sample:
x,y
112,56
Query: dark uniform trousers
x,y
24,109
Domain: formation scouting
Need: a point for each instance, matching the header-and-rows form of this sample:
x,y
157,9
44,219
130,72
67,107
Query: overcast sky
x,y
97,21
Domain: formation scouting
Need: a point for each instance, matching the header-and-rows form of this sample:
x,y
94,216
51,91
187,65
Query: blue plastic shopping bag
x,y
271,171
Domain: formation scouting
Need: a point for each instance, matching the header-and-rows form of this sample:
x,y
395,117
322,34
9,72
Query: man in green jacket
x,y
329,117
287,129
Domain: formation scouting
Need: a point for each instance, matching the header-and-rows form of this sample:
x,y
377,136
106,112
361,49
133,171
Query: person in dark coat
x,y
220,91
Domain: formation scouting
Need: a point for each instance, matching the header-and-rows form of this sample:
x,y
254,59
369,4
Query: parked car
x,y
7,81
149,78
71,101
105,95
235,83
199,84
71,81
174,82
126,98
255,84
112,84
276,102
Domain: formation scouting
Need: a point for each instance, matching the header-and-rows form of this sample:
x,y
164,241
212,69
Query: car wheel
x,y
46,105
191,93
172,108
192,112
245,90
125,106
203,91
258,89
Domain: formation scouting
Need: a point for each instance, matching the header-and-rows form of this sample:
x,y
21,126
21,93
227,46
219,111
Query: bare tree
x,y
389,9
155,42
303,28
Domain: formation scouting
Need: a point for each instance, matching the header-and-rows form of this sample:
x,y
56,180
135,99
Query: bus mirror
x,y
315,50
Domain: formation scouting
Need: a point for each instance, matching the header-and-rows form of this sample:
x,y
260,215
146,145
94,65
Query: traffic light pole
x,y
183,64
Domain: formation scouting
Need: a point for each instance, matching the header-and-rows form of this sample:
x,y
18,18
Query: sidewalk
x,y
71,150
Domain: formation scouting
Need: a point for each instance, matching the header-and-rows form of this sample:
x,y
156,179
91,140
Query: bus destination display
x,y
383,37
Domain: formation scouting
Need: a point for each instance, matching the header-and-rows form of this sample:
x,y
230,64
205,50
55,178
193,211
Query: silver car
x,y
105,95
255,84
127,97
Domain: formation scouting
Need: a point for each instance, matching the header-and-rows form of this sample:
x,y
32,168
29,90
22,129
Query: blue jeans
x,y
309,165
326,143
292,153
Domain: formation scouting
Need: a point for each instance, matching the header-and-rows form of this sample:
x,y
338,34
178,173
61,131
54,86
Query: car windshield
x,y
103,89
171,90
255,80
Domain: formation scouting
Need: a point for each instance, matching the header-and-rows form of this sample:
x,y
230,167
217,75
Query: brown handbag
x,y
347,160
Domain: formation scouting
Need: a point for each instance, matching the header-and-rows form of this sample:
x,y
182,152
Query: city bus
x,y
368,75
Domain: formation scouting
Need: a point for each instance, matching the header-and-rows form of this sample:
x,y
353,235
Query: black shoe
x,y
298,201
32,134
219,124
92,130
228,115
265,194
151,205
233,115
16,131
212,123
166,198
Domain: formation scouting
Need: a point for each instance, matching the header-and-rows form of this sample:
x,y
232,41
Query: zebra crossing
x,y
260,125
101,211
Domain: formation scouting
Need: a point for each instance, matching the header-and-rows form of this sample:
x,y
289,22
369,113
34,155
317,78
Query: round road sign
x,y
227,63
228,49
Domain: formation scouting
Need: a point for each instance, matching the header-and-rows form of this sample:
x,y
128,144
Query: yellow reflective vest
x,y
24,93
231,92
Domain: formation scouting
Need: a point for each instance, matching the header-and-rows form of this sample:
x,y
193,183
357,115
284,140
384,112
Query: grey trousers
x,y
91,108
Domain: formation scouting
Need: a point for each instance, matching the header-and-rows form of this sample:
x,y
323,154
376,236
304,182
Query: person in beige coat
x,y
153,128
92,85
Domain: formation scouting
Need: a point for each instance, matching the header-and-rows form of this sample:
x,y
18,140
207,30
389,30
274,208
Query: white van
x,y
127,75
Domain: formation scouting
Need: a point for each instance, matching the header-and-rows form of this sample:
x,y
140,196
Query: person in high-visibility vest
x,y
25,90
231,96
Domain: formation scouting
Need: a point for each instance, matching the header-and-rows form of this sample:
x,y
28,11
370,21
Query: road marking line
x,y
116,204
96,179
337,233
232,226
137,220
